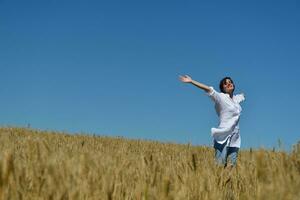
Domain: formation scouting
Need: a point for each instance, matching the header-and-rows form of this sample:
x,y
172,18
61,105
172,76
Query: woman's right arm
x,y
188,79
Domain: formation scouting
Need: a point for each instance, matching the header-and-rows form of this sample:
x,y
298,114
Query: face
x,y
228,86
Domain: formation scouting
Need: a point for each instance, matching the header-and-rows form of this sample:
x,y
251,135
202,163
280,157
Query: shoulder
x,y
213,93
216,96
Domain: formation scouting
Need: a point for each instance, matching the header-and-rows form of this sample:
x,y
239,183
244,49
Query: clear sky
x,y
112,67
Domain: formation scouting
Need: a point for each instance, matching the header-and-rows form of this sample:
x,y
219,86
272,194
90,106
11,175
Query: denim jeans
x,y
223,152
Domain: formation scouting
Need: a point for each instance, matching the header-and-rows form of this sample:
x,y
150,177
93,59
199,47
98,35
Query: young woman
x,y
227,140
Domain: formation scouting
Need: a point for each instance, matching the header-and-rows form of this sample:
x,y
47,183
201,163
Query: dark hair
x,y
223,81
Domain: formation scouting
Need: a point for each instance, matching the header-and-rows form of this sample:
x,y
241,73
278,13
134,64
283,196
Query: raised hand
x,y
185,79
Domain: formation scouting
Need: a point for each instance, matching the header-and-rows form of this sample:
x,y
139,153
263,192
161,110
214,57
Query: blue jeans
x,y
223,152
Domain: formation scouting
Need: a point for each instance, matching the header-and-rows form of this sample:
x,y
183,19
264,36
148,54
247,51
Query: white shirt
x,y
229,111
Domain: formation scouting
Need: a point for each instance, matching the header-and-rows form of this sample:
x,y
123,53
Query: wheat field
x,y
55,165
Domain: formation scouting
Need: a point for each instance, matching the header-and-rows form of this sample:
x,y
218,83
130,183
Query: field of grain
x,y
50,165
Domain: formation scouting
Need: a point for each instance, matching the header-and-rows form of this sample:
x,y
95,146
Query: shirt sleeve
x,y
214,95
240,98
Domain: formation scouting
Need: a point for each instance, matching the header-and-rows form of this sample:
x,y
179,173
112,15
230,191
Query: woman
x,y
227,140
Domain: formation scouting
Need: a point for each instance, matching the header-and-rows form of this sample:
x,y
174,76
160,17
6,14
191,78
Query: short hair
x,y
223,81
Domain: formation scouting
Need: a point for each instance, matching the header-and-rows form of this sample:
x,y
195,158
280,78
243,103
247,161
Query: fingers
x,y
181,77
185,78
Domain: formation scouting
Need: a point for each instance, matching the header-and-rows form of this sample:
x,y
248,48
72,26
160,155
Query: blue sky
x,y
112,67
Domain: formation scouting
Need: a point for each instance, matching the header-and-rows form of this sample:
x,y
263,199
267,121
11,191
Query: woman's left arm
x,y
243,96
240,97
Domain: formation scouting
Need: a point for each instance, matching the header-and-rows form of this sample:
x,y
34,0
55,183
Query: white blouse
x,y
229,111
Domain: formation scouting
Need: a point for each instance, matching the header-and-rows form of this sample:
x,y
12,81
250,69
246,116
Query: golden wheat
x,y
55,165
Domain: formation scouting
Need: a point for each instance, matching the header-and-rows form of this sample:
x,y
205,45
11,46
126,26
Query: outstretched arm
x,y
188,79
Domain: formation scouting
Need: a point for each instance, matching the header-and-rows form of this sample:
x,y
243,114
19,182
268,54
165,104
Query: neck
x,y
230,94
